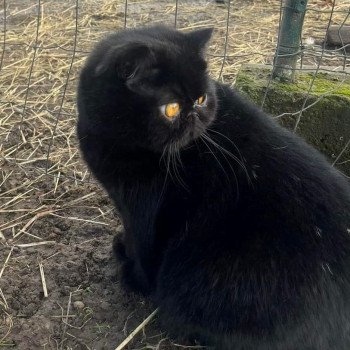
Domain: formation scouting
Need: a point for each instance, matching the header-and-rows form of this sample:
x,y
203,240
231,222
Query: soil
x,y
86,308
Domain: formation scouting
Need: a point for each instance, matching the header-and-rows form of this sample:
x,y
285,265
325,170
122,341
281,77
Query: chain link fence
x,y
53,218
45,43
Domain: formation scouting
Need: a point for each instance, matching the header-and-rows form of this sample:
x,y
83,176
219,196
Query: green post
x,y
289,39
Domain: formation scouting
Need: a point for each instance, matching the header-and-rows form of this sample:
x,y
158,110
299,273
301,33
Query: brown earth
x,y
86,308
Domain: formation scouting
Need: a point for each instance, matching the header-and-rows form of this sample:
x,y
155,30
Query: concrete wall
x,y
325,123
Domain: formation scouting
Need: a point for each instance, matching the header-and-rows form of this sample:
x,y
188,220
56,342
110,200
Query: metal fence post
x,y
288,46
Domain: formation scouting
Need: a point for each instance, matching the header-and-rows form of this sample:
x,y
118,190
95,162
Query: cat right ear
x,y
200,37
124,59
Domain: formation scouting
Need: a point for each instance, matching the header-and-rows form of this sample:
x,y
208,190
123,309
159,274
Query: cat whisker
x,y
215,157
165,152
169,152
229,164
170,164
229,140
233,144
231,155
178,155
215,144
175,156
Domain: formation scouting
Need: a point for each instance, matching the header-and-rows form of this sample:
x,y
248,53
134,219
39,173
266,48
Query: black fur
x,y
236,228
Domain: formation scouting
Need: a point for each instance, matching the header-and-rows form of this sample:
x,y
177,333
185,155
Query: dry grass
x,y
45,49
38,84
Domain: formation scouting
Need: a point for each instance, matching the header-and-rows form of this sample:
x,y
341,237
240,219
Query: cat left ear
x,y
125,58
200,37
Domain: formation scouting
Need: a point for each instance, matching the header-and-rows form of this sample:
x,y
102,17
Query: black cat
x,y
236,228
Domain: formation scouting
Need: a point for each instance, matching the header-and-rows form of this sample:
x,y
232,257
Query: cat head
x,y
148,88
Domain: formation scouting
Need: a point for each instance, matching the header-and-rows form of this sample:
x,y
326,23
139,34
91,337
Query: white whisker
x,y
235,158
175,154
215,157
227,161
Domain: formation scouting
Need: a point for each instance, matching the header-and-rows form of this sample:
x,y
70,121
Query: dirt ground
x,y
85,307
59,286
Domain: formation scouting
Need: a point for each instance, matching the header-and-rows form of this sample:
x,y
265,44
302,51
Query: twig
x,y
43,281
65,322
79,219
136,330
31,221
6,261
27,245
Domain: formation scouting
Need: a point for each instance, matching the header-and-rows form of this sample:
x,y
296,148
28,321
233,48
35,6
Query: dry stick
x,y
33,236
27,245
66,322
4,299
78,340
75,201
43,281
16,222
5,263
16,198
60,316
8,329
79,219
136,330
31,221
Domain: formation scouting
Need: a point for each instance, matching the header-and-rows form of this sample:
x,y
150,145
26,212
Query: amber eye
x,y
201,100
170,110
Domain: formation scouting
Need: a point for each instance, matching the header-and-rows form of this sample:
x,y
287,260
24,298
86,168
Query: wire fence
x,y
45,43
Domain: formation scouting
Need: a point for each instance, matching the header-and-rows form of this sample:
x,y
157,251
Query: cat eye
x,y
170,110
201,100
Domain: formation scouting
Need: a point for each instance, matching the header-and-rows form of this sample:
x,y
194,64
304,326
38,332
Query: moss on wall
x,y
325,121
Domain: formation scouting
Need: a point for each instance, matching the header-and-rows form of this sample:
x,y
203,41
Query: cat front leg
x,y
119,247
130,270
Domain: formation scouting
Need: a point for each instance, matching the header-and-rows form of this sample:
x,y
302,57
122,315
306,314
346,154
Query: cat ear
x,y
125,59
200,37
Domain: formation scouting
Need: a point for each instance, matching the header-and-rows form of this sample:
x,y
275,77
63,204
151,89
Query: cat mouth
x,y
188,130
